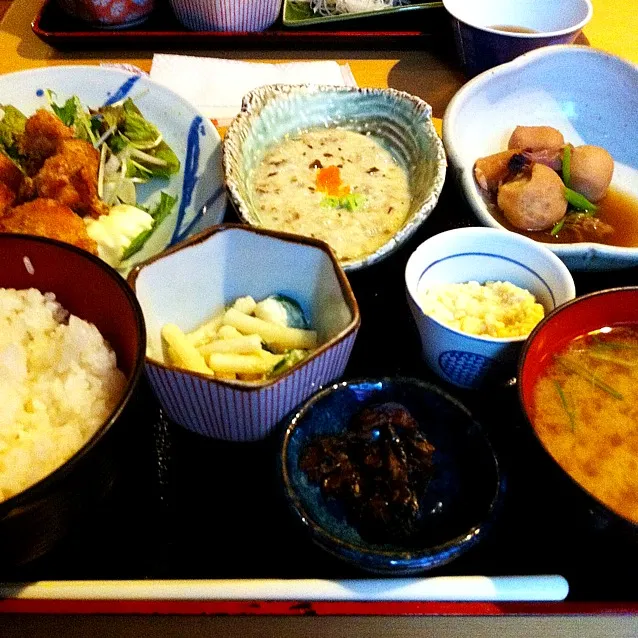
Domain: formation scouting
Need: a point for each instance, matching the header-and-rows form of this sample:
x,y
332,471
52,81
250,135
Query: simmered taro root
x,y
491,171
592,168
536,138
542,144
534,199
543,184
378,468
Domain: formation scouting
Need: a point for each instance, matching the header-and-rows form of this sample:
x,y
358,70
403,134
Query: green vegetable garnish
x,y
137,142
137,170
568,409
583,372
117,143
163,153
613,345
136,128
291,358
567,165
159,214
11,128
74,115
578,201
330,201
558,226
601,356
66,112
350,202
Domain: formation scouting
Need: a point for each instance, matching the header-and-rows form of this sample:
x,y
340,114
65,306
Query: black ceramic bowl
x,y
458,504
34,520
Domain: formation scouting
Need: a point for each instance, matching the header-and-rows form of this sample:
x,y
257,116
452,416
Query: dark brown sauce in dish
x,y
510,28
617,209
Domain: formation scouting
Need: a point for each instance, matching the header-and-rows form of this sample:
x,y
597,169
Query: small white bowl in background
x,y
491,32
545,87
226,15
480,254
192,282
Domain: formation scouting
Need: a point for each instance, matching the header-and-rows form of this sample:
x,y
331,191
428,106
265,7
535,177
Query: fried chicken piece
x,y
43,134
27,191
7,198
10,173
10,181
48,218
70,177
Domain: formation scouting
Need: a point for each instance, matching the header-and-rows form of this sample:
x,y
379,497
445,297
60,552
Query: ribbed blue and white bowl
x,y
189,283
226,15
400,122
480,254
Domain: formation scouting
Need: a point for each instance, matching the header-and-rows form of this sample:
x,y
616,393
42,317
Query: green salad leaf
x,y
74,115
136,128
11,128
159,213
136,142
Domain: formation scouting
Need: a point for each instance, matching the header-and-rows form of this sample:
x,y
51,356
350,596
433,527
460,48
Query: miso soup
x,y
585,411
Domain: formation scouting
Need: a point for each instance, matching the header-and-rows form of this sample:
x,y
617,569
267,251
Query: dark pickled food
x,y
378,469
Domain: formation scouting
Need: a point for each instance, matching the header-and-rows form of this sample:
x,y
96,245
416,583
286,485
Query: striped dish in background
x,y
223,411
226,15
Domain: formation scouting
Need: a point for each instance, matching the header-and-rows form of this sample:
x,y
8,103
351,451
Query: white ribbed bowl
x,y
226,15
189,283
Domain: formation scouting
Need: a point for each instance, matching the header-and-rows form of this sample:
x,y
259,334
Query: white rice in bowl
x,y
58,383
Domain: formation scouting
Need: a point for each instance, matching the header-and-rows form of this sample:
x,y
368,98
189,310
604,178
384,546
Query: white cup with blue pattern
x,y
480,254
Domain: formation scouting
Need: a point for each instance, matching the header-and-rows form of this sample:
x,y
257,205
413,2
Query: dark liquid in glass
x,y
512,28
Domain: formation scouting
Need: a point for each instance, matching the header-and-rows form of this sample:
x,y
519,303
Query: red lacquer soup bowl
x,y
593,313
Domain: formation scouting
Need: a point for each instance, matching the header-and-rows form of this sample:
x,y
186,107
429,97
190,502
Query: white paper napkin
x,y
216,86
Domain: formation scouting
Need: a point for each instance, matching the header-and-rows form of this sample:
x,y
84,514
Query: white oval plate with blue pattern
x,y
199,184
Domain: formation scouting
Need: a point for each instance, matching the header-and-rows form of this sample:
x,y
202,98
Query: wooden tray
x,y
162,31
192,508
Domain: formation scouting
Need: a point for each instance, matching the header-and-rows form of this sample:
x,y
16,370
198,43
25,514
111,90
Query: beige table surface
x,y
428,73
